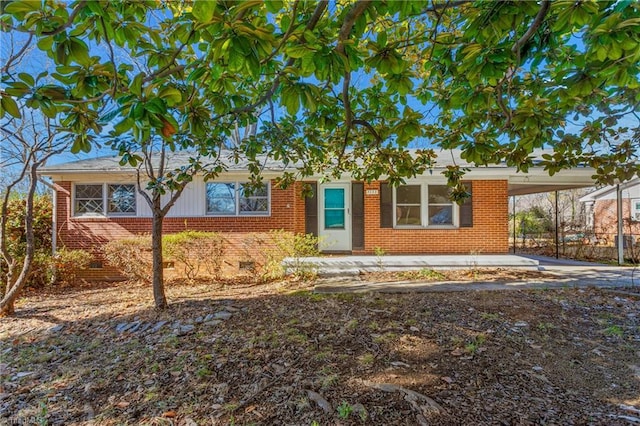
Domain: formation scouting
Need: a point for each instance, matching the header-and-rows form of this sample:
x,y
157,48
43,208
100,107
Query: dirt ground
x,y
280,354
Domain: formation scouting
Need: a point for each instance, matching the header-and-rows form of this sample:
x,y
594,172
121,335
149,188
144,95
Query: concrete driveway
x,y
558,273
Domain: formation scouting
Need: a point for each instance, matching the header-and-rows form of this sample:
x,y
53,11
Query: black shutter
x,y
311,211
466,209
357,216
386,206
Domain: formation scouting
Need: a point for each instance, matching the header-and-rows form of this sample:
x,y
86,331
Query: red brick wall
x,y
605,220
91,234
489,233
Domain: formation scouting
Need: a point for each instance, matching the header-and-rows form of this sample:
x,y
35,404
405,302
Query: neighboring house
x,y
96,202
601,212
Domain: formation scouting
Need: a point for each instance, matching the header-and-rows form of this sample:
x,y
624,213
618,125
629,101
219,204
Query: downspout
x,y
557,238
514,224
54,221
54,215
620,230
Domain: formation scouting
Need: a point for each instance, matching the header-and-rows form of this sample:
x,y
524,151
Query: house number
x,y
372,192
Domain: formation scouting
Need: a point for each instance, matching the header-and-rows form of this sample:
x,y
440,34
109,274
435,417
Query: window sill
x,y
239,216
103,217
431,227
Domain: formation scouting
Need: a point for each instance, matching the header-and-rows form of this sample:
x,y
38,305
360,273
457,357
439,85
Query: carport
x,y
537,180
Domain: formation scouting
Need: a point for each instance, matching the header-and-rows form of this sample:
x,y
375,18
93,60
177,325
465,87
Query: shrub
x,y
195,251
67,264
42,223
132,256
198,253
41,267
289,245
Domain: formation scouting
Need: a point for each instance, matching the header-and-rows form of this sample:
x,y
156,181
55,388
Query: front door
x,y
334,217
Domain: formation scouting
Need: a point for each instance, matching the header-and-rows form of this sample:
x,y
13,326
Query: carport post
x,y
514,224
557,239
620,230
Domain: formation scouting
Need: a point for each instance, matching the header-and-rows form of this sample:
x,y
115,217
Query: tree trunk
x,y
156,246
14,286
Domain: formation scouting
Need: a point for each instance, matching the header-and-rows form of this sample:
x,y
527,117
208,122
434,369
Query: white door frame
x,y
335,239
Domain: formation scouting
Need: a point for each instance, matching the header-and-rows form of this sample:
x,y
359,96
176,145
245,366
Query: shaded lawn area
x,y
279,354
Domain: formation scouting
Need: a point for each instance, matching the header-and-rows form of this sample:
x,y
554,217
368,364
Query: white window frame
x,y
120,214
424,209
237,212
635,211
105,200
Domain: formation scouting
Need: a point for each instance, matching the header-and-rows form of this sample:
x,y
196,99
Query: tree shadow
x,y
253,358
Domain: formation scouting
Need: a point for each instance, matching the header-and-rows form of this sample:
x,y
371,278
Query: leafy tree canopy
x,y
341,85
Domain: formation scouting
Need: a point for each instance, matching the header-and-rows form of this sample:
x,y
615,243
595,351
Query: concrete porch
x,y
355,265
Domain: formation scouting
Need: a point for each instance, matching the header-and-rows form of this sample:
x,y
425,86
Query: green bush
x,y
67,264
41,267
131,256
284,244
197,253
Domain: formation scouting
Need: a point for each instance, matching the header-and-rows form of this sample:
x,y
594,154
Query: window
x,y
334,208
412,210
635,209
440,206
254,200
88,200
408,211
102,199
234,198
122,199
221,198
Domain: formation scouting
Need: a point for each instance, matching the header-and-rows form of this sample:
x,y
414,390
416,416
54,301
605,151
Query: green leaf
x,y
156,106
136,85
27,78
79,51
10,106
196,74
299,51
171,95
203,10
273,6
22,6
236,61
45,43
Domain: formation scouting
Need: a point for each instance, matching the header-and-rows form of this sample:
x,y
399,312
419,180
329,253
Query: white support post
x,y
620,229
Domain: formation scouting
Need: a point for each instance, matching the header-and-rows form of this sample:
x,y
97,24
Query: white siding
x,y
191,201
630,192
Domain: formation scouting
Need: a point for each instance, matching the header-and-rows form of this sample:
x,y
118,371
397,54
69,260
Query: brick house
x,y
95,201
601,212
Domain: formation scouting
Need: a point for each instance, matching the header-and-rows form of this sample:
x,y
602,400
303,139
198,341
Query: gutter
x,y
54,212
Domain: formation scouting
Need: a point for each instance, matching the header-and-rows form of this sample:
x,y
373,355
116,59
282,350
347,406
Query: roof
x,y
606,190
111,164
535,180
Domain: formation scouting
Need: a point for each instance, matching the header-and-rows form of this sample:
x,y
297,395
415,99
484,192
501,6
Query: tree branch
x,y
369,127
5,68
317,14
286,35
436,7
349,20
544,9
167,70
69,21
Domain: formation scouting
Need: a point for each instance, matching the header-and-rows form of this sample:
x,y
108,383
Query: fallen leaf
x,y
123,404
